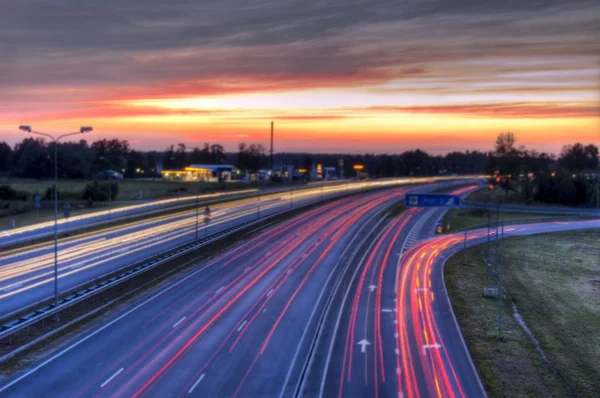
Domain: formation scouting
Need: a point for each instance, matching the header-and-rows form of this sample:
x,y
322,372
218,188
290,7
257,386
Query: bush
x,y
7,193
98,192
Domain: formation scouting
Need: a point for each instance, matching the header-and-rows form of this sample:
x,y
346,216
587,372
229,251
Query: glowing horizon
x,y
438,81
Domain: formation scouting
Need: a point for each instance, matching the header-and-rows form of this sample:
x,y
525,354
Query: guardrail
x,y
529,209
95,287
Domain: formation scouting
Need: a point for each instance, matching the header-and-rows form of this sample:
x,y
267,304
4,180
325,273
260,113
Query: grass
x,y
129,189
464,218
24,213
554,279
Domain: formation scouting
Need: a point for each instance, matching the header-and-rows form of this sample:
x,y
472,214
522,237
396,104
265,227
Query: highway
x,y
392,332
242,325
357,352
257,321
40,230
27,275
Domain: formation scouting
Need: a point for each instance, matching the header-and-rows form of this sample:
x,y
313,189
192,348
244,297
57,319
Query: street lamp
x,y
82,130
109,185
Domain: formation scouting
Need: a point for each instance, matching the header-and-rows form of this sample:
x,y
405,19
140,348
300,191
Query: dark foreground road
x,y
240,326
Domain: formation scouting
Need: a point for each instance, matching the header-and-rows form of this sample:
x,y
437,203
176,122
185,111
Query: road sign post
x,y
432,200
67,214
37,201
206,220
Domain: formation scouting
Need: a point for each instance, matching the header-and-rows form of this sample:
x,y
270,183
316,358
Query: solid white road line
x,y
196,383
111,377
242,326
18,285
105,326
178,322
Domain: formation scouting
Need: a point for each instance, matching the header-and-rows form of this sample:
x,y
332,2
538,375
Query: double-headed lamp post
x,y
82,130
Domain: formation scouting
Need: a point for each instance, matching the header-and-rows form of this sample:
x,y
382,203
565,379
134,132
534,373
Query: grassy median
x,y
554,280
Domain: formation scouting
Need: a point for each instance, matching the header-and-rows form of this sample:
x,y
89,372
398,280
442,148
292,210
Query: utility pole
x,y
501,286
271,161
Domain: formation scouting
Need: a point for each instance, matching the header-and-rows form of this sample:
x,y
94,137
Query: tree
x,y
217,153
114,150
181,156
151,163
505,143
250,157
32,159
135,164
579,158
5,157
169,159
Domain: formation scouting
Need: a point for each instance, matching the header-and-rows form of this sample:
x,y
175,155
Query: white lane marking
x,y
105,326
397,351
363,345
396,335
178,322
270,292
386,310
242,325
196,383
219,291
111,377
265,310
430,346
246,269
398,371
372,288
8,289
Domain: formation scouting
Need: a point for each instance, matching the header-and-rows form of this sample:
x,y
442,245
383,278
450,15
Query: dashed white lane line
x,y
270,292
13,287
397,351
111,377
242,325
219,291
196,383
178,322
386,310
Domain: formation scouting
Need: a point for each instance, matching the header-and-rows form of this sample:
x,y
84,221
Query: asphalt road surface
x,y
240,326
27,275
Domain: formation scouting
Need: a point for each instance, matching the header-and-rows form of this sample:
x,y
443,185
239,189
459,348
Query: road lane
x,y
231,329
27,275
358,353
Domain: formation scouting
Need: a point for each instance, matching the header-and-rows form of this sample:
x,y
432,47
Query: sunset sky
x,y
334,76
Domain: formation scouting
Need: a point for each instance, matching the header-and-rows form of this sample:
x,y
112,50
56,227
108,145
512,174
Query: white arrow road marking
x,y
430,346
363,345
372,288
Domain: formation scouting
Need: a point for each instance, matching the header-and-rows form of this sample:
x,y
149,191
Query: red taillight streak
x,y
203,329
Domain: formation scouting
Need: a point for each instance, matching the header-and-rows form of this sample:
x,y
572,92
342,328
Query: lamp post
x,y
82,130
109,185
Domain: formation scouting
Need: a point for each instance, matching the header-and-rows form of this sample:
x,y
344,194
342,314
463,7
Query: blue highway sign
x,y
432,200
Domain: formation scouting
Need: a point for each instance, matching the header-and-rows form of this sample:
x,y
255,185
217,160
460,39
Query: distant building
x,y
200,172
